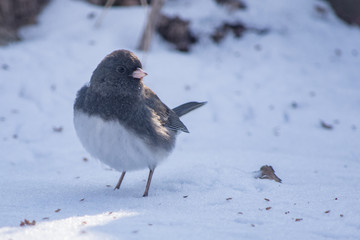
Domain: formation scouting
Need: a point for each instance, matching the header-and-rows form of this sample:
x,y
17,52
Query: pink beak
x,y
139,73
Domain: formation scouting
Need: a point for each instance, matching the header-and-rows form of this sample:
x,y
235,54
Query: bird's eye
x,y
121,69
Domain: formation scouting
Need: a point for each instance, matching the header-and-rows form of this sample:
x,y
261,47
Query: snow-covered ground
x,y
267,96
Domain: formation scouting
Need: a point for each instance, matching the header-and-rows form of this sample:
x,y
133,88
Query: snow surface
x,y
267,95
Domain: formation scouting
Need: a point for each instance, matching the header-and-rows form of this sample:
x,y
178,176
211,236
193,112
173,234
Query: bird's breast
x,y
114,144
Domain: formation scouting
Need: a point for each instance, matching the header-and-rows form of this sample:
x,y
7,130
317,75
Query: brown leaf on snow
x,y
327,211
27,223
266,199
267,172
298,219
177,31
268,208
58,210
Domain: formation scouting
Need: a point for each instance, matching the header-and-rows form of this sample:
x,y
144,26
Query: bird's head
x,y
120,72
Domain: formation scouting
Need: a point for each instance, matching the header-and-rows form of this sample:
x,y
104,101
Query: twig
x,y
108,4
152,20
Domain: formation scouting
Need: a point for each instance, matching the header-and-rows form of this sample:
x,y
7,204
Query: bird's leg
x,y
148,183
120,180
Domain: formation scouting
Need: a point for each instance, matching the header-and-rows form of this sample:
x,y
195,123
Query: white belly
x,y
114,145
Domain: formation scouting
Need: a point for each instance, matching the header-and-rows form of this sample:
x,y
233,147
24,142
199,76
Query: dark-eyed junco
x,y
122,122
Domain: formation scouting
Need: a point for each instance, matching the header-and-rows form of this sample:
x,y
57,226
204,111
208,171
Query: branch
x,y
152,21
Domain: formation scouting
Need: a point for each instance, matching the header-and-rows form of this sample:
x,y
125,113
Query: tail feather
x,y
187,107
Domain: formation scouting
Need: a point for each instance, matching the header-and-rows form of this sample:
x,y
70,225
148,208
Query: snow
x,y
267,95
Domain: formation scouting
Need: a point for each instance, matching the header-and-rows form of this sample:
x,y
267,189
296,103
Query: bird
x,y
122,122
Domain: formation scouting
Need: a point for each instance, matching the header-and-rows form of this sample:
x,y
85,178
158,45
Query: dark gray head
x,y
118,73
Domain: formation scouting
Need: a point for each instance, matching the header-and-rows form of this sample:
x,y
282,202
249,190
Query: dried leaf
x,y
229,199
236,29
177,31
327,211
58,210
267,172
27,222
268,208
266,199
298,219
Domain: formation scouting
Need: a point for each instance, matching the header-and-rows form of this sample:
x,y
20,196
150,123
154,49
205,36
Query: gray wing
x,y
168,117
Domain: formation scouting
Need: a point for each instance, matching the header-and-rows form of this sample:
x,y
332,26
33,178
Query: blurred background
x,y
281,80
